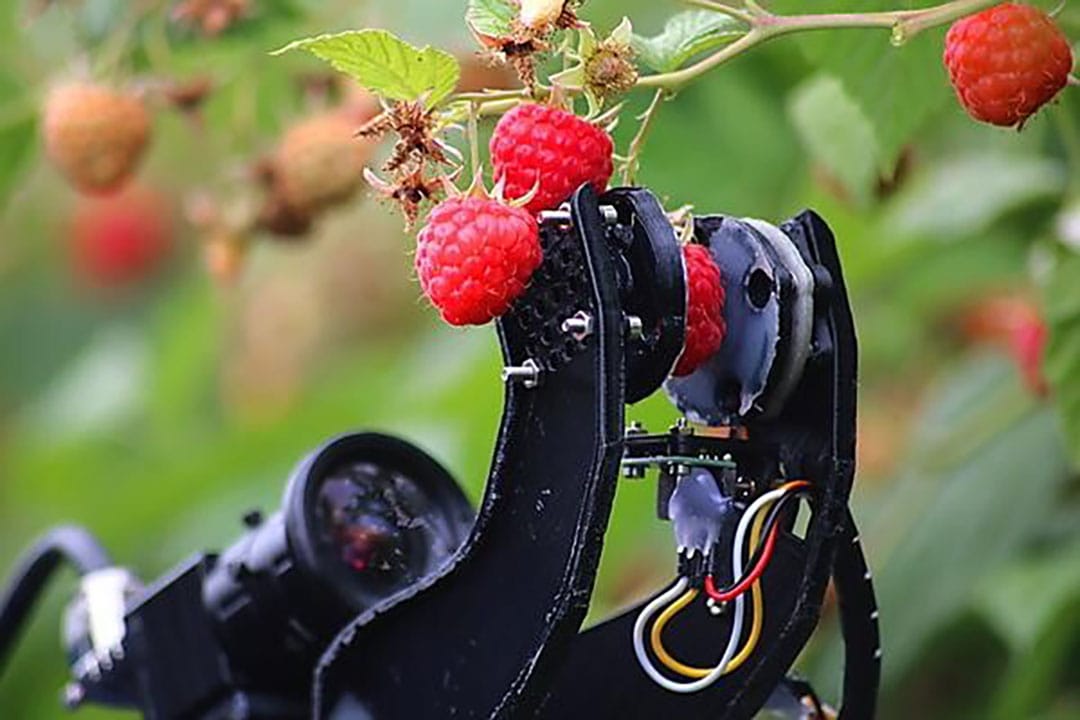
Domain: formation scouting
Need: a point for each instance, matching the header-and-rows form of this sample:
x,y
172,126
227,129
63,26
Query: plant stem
x,y
491,95
678,78
474,139
630,168
904,24
764,26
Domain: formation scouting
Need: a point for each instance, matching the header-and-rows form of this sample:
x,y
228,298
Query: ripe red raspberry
x,y
560,151
122,239
95,135
1007,62
705,326
475,256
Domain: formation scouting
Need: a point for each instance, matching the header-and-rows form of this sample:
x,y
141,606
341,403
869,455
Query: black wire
x,y
775,515
65,543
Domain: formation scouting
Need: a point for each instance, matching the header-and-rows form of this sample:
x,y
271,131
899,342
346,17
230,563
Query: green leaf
x,y
684,36
1062,365
17,133
1055,573
490,18
836,133
1041,636
899,88
964,197
386,64
985,471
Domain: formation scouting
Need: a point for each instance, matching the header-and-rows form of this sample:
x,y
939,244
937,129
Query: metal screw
x,y
579,325
611,215
558,217
528,374
636,428
635,329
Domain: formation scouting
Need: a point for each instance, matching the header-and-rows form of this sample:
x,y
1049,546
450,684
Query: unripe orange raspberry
x,y
94,135
320,163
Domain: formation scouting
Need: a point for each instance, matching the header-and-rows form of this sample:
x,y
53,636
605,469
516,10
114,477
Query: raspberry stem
x,y
474,140
761,26
764,26
630,165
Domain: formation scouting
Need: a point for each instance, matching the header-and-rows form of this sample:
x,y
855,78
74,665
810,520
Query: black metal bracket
x,y
484,637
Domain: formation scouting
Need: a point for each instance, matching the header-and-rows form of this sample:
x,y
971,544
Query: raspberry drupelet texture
x,y
549,149
705,326
475,256
1007,62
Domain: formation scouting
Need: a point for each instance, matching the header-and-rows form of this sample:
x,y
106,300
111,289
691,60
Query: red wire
x,y
763,562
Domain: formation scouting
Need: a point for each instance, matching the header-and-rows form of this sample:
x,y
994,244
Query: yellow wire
x,y
758,602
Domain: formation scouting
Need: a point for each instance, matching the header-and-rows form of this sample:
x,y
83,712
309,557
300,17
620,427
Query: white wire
x,y
678,588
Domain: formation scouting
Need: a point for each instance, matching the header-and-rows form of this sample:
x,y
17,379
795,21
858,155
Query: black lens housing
x,y
279,593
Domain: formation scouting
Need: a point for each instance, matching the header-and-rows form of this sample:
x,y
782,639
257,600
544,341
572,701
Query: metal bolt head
x,y
528,374
611,215
579,325
635,329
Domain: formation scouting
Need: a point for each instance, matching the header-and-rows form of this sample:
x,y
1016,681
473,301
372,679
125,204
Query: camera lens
x,y
369,515
364,517
361,522
381,527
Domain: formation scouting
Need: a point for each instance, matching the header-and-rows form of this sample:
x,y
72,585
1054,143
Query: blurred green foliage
x,y
157,417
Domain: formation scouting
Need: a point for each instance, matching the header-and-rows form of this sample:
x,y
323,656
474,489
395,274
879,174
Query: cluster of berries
x,y
475,255
96,136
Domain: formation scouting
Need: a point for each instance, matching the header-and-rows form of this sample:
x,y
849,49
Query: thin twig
x,y
474,139
631,163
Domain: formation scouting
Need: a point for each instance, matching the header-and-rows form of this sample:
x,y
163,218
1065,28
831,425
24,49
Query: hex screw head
x,y
528,374
579,325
